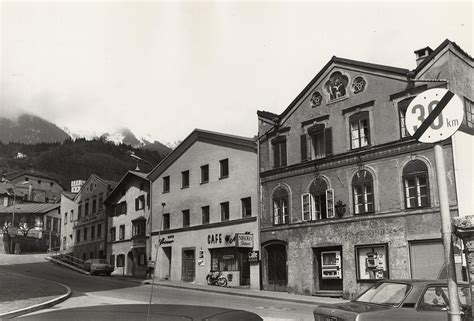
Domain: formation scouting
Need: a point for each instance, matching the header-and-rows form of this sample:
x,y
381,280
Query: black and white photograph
x,y
236,160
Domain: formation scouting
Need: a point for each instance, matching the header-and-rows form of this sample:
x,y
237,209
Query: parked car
x,y
406,300
98,266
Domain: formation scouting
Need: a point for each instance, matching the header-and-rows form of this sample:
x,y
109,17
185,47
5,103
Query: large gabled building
x,y
204,210
348,197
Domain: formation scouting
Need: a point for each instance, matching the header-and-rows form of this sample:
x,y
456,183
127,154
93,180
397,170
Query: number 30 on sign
x,y
434,115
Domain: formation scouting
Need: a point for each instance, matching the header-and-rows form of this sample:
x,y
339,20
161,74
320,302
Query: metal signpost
x,y
431,117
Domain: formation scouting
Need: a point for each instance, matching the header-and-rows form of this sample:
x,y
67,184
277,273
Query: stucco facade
x,y
128,210
68,219
90,223
347,196
206,191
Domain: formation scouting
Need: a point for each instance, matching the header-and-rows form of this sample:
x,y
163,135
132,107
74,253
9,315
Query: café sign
x,y
244,240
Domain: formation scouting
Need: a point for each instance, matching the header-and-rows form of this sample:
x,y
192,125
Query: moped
x,y
216,278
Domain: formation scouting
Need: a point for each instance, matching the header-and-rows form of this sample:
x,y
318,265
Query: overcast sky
x,y
165,68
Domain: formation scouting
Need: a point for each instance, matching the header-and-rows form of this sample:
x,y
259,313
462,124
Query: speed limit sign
x,y
434,115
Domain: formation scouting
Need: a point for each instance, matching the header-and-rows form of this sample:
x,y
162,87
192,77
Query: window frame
x,y
280,157
418,187
285,217
225,211
359,117
205,174
166,221
364,184
205,217
166,184
186,218
122,232
185,179
246,204
113,234
224,168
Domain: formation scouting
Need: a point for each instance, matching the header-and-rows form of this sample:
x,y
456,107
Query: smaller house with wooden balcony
x,y
128,211
36,227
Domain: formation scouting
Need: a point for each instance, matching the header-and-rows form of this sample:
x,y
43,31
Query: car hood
x,y
348,310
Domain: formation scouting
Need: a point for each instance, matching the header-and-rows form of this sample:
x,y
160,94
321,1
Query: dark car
x,y
406,300
98,266
139,312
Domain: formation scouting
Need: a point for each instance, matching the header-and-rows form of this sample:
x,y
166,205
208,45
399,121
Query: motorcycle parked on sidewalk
x,y
216,278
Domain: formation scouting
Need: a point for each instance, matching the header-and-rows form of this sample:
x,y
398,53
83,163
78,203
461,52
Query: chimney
x,y
421,54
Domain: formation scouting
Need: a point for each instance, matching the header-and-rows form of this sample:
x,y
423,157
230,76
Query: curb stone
x,y
36,307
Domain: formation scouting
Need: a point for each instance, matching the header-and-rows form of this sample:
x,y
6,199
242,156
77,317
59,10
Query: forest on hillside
x,y
76,159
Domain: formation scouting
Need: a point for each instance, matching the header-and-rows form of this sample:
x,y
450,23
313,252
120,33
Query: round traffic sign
x,y
434,115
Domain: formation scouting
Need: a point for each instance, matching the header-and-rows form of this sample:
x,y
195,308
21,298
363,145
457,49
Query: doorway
x,y
189,265
130,264
276,268
167,263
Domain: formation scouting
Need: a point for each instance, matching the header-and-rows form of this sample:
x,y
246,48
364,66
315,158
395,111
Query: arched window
x,y
280,206
415,183
319,202
363,192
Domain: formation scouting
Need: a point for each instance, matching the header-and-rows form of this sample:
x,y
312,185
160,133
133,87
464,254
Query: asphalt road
x,y
100,290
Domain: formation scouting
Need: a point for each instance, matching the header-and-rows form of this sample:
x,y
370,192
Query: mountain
x,y
76,159
30,129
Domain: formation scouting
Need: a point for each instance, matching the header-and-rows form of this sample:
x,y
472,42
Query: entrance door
x,y
130,263
276,268
189,265
167,263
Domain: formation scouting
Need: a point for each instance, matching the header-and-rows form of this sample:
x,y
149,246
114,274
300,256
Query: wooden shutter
x,y
328,140
306,199
137,204
283,153
330,203
304,148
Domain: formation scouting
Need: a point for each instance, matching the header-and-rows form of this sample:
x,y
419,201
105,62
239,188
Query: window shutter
x,y
283,153
306,206
328,140
330,203
137,204
304,148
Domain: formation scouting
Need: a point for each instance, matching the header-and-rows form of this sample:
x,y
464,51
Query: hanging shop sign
x,y
254,256
244,240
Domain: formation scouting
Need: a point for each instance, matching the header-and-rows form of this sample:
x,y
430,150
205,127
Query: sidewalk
x,y
23,294
281,296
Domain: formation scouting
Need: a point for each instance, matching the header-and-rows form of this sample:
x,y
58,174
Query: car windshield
x,y
100,261
385,293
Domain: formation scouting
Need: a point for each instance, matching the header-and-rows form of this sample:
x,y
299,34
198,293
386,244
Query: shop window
x,y
321,141
224,168
468,119
185,179
205,214
279,152
224,211
359,130
140,202
372,262
113,234
415,183
363,192
166,184
121,260
246,206
319,202
166,221
224,259
121,232
204,174
280,206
